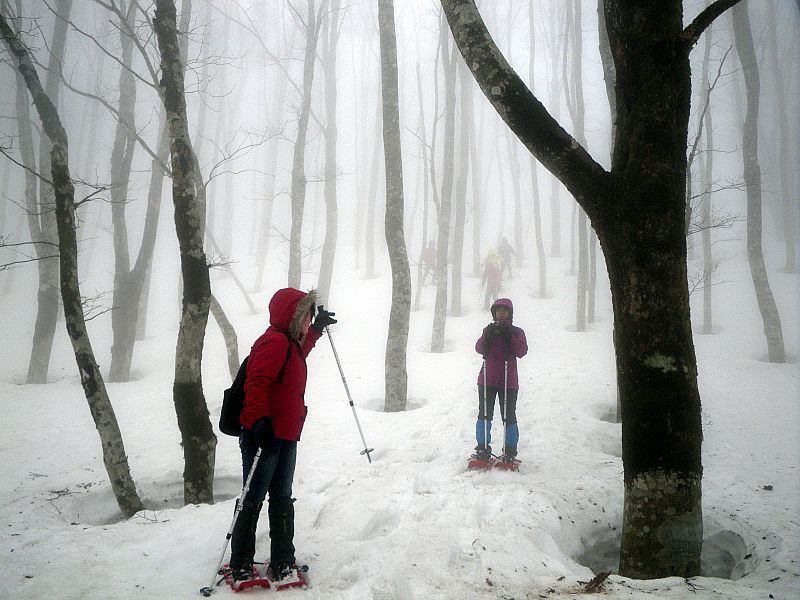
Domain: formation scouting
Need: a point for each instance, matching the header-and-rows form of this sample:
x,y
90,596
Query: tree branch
x,y
702,21
526,116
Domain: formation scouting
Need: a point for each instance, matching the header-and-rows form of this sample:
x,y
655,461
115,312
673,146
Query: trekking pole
x,y
505,404
349,398
485,414
208,590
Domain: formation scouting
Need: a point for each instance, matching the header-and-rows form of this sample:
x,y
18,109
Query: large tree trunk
x,y
397,339
197,437
752,177
298,191
47,305
114,457
331,136
638,213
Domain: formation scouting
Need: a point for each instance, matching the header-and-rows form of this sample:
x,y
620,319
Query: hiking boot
x,y
509,454
242,573
483,452
280,571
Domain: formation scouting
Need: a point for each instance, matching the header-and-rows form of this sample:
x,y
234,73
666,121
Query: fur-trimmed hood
x,y
288,307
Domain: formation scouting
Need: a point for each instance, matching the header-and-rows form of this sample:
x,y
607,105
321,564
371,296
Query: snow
x,y
413,524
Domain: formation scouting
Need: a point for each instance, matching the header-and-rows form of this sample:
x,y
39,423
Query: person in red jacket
x,y
272,419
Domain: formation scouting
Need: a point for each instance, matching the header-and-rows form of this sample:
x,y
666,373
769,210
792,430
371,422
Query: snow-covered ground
x,y
414,524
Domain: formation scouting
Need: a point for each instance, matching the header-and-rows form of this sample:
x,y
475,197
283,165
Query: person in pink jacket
x,y
272,419
500,344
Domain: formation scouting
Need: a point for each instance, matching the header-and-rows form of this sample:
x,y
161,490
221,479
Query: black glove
x,y
323,319
506,331
263,433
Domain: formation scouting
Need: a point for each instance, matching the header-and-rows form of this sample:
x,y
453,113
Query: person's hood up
x,y
288,307
504,302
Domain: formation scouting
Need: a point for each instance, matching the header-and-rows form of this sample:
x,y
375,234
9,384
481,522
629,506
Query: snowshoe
x,y
243,578
287,576
482,459
507,462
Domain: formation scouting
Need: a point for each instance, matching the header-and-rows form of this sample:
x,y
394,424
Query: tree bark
x,y
752,177
397,339
114,457
637,211
197,436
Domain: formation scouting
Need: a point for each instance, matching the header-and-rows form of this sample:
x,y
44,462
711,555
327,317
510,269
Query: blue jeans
x,y
273,475
275,470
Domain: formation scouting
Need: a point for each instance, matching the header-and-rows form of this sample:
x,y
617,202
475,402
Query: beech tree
x,y
114,457
637,209
752,177
197,437
397,339
42,222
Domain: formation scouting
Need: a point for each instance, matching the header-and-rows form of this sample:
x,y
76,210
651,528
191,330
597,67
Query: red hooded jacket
x,y
265,396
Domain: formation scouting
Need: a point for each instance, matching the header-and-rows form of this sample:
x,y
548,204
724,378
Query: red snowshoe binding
x,y
243,578
287,576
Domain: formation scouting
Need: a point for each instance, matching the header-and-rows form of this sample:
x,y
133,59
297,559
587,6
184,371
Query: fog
x,y
244,74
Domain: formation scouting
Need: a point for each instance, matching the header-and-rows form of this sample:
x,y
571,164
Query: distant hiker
x,y
500,344
492,278
506,250
428,260
272,418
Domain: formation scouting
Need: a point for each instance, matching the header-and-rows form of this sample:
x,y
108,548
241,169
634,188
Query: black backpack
x,y
233,397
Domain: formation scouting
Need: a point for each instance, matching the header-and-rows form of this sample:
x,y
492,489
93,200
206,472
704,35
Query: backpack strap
x,y
279,378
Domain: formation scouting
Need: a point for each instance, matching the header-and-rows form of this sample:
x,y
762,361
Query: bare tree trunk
x,y
425,185
537,210
331,160
576,105
126,305
197,437
298,191
705,209
788,198
228,334
554,97
752,177
443,216
464,144
47,306
144,264
638,212
114,457
397,339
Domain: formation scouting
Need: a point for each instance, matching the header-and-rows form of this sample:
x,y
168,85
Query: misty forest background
x,y
308,143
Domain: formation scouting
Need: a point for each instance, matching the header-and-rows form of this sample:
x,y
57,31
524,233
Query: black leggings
x,y
509,415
